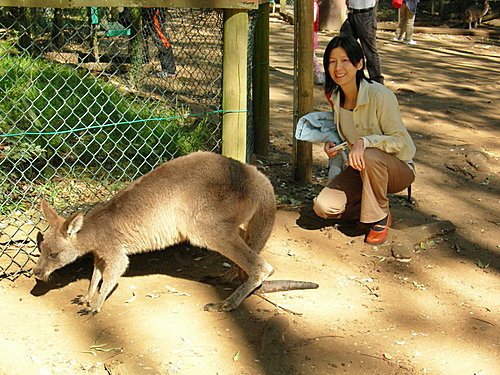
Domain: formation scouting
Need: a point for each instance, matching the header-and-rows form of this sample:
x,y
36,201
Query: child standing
x,y
319,75
406,16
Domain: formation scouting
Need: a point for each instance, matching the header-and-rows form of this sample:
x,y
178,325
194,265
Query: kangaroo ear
x,y
49,213
73,224
39,238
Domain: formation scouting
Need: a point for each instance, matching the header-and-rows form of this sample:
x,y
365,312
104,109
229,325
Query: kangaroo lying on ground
x,y
476,15
203,198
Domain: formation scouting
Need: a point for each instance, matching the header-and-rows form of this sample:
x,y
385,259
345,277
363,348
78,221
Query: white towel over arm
x,y
321,127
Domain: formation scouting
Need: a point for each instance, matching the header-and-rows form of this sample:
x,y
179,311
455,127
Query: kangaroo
x,y
207,199
476,15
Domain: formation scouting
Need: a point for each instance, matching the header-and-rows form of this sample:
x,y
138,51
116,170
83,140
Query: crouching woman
x,y
381,151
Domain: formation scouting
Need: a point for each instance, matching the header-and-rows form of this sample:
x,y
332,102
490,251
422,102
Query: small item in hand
x,y
339,147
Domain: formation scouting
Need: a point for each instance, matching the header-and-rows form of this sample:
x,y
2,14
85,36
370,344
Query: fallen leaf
x,y
131,299
236,356
419,286
101,348
387,356
481,264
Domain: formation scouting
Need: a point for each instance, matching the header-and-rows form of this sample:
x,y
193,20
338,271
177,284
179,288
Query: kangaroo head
x,y
57,244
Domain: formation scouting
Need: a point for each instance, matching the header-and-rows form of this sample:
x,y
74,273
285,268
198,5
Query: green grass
x,y
83,126
40,96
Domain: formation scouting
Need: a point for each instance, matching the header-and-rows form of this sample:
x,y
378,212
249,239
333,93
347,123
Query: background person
x,y
406,17
154,21
319,75
361,23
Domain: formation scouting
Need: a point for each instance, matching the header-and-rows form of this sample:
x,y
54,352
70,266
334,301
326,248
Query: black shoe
x,y
164,74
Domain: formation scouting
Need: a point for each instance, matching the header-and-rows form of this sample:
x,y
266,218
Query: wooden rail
x,y
216,4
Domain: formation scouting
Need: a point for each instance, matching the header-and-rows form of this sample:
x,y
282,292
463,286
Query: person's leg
x,y
319,75
402,12
147,32
347,27
384,174
400,29
162,42
365,25
410,20
340,199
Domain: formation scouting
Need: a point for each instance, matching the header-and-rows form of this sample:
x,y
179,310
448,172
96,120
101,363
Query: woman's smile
x,y
341,68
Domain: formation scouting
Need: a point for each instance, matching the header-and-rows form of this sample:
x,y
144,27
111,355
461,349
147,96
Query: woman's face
x,y
341,69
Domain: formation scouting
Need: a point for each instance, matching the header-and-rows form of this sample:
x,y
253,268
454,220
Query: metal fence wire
x,y
92,98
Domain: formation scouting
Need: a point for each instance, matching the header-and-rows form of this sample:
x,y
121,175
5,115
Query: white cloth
x,y
317,127
321,127
361,4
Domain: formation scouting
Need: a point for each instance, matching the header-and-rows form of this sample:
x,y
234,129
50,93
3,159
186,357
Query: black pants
x,y
154,20
363,26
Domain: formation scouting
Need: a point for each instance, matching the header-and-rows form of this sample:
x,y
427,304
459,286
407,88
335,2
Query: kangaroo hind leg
x,y
258,230
229,243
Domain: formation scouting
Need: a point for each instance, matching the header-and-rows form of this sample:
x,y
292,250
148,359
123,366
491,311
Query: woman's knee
x,y
330,203
319,210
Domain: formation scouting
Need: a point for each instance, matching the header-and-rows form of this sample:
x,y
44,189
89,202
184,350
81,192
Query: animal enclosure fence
x,y
89,102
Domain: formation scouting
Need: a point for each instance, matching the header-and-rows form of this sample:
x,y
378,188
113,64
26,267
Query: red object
x,y
159,31
377,237
397,3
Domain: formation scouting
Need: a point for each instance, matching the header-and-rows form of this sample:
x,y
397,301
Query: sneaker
x,y
164,74
396,39
319,78
410,42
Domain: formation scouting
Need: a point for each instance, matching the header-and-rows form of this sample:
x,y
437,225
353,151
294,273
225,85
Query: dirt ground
x,y
434,313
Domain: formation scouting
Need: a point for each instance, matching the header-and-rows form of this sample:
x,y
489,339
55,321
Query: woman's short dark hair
x,y
355,55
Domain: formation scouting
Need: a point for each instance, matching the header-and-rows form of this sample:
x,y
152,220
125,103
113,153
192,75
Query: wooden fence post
x,y
260,82
303,87
234,84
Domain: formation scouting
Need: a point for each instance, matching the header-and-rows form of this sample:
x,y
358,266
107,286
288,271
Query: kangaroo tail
x,y
271,286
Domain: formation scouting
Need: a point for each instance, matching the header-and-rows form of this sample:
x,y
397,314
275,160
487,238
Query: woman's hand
x,y
356,155
328,149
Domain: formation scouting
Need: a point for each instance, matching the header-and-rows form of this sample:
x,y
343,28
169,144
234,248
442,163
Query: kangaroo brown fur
x,y
203,198
474,14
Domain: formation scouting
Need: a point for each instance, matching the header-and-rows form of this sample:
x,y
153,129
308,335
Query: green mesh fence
x,y
90,99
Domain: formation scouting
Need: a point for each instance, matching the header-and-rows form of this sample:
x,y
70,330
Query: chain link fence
x,y
92,98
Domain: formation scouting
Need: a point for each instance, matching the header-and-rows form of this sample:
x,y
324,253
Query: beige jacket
x,y
378,121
